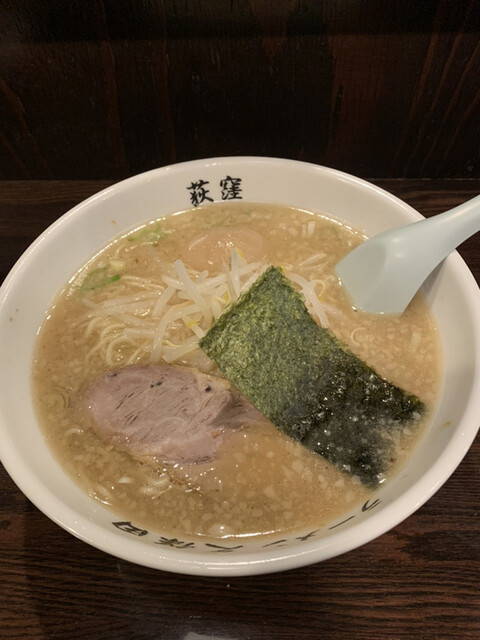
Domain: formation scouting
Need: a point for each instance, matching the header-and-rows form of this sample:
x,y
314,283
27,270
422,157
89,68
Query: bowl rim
x,y
199,563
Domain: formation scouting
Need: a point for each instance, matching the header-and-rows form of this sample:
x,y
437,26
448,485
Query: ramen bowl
x,y
451,293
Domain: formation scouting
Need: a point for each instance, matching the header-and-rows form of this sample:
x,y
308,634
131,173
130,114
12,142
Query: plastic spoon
x,y
383,274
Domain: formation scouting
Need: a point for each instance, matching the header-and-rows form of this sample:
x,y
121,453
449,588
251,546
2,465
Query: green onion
x,y
98,278
152,233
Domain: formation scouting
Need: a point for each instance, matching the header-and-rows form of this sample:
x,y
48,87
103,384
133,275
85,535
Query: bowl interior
x,y
64,247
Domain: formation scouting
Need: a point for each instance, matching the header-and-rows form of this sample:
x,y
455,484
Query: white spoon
x,y
383,274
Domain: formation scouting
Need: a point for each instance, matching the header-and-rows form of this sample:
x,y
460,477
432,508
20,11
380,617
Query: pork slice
x,y
165,413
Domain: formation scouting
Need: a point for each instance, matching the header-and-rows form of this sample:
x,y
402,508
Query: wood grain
x,y
420,580
104,89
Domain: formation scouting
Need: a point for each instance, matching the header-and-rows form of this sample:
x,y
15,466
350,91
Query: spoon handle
x,y
447,230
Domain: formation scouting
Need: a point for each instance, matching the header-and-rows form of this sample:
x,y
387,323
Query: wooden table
x,y
421,580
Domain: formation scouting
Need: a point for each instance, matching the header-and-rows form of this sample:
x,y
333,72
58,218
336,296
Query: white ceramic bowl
x,y
61,249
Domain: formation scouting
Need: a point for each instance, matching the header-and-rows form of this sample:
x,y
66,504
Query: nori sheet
x,y
306,381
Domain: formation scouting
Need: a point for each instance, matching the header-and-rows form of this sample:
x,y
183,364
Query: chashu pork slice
x,y
165,413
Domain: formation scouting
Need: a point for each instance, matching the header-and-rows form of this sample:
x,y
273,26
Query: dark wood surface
x,y
106,88
420,580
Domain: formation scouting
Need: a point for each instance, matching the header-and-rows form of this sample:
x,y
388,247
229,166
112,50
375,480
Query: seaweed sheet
x,y
306,382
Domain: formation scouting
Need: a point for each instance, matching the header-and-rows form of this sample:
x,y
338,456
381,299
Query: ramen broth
x,y
261,482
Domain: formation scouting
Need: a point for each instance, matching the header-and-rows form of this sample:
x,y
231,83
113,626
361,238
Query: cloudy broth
x,y
260,482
